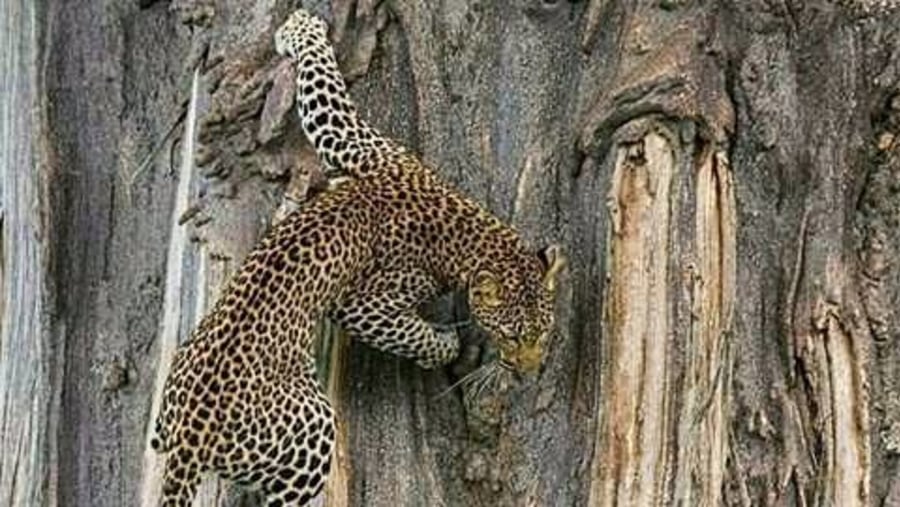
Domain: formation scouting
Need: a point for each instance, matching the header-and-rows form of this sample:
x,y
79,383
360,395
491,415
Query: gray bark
x,y
30,369
724,177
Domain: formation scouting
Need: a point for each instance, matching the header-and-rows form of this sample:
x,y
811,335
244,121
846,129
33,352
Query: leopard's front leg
x,y
381,312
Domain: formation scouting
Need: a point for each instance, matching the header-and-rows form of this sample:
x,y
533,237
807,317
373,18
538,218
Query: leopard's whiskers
x,y
474,375
486,380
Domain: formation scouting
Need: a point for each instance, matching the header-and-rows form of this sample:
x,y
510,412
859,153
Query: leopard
x,y
241,399
349,147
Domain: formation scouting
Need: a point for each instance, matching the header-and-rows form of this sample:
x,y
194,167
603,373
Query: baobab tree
x,y
724,177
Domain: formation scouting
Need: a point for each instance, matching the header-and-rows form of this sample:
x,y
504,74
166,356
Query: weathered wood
x,y
30,351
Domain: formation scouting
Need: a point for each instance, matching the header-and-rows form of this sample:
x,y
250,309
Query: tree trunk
x,y
724,177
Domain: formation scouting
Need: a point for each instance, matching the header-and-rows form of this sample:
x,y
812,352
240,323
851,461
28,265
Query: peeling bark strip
x,y
663,432
847,470
172,306
706,392
833,362
630,464
29,358
337,488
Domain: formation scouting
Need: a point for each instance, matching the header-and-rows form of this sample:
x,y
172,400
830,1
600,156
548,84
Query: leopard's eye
x,y
507,346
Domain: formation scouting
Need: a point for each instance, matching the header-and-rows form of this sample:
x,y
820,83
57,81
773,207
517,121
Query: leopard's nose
x,y
522,367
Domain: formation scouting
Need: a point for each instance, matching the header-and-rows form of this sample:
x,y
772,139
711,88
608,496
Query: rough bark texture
x,y
724,175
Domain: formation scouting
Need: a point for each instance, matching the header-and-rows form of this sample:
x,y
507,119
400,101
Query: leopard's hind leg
x,y
280,442
302,438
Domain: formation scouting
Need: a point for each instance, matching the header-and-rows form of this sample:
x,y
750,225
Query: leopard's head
x,y
516,307
300,31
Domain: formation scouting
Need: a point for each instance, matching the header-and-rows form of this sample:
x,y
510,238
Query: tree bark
x,y
724,177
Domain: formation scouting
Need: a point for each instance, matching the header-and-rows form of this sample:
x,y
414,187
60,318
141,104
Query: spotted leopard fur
x,y
344,142
241,399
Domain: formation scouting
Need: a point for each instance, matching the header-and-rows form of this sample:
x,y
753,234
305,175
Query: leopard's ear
x,y
554,261
486,290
